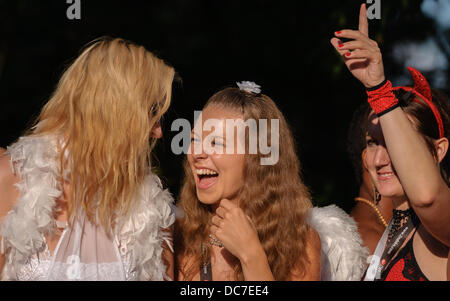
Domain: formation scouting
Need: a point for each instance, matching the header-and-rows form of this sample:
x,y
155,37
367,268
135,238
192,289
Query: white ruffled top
x,y
85,251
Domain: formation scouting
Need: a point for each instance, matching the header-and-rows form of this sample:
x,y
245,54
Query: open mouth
x,y
206,178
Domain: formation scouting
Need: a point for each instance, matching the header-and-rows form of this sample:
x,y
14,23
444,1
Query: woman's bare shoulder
x,y
313,253
313,237
9,192
313,245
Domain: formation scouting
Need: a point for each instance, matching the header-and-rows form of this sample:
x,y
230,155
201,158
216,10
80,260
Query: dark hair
x,y
356,139
425,123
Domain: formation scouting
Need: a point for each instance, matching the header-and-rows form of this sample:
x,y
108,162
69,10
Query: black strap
x,y
396,242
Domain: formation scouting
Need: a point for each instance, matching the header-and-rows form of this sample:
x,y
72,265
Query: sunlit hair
x,y
273,196
105,106
425,121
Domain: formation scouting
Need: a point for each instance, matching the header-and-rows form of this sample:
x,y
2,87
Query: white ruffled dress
x,y
84,251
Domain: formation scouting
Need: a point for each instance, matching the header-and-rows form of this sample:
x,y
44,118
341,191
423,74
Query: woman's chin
x,y
207,200
391,191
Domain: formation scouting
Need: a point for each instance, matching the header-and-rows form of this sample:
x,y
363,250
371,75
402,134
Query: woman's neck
x,y
400,203
384,205
213,207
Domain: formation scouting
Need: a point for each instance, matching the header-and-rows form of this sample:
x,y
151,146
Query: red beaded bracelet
x,y
381,98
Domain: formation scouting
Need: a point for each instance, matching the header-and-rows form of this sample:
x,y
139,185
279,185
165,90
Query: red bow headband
x,y
422,89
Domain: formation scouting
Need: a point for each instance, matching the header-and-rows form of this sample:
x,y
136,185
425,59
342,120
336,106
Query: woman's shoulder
x,y
314,253
6,173
7,184
369,228
311,270
313,243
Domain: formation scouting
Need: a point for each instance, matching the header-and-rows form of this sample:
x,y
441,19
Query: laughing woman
x,y
78,200
245,220
407,158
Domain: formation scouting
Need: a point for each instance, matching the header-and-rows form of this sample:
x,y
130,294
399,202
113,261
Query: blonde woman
x,y
78,200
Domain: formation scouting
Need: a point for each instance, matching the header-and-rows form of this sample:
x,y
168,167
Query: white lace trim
x,y
140,234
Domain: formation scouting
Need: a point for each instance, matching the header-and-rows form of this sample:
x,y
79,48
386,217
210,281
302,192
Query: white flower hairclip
x,y
249,87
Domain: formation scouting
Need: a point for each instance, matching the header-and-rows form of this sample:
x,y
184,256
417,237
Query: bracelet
x,y
381,98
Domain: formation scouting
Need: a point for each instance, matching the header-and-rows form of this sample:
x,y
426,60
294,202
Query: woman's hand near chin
x,y
238,235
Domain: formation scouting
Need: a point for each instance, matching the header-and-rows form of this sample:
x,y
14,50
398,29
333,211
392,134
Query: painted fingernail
x,y
341,44
348,54
338,32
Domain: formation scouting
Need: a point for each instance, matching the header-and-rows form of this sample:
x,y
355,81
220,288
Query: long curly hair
x,y
105,106
273,196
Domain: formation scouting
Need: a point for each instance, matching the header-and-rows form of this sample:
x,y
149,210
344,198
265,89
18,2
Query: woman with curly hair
x,y
78,199
246,217
407,157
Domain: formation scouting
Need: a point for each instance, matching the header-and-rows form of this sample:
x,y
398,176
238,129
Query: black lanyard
x,y
396,242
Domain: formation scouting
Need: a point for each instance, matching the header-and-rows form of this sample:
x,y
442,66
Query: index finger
x,y
220,211
363,23
224,203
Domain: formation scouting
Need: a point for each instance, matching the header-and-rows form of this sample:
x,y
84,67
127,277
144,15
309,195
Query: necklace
x,y
374,207
399,218
205,266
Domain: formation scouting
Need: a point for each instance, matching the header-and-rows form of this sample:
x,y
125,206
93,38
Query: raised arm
x,y
419,172
417,169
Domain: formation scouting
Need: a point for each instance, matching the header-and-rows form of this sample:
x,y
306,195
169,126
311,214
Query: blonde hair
x,y
273,196
105,106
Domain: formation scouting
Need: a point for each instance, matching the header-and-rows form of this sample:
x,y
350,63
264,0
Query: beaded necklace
x,y
374,207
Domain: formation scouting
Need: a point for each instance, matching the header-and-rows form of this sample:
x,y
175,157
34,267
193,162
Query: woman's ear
x,y
441,146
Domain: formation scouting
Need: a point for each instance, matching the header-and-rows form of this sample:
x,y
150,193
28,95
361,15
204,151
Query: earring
x,y
376,195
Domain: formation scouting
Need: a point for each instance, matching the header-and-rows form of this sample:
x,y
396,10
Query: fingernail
x,y
338,32
348,54
341,44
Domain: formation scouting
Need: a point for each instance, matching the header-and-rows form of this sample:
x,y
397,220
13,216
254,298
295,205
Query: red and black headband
x,y
382,99
422,89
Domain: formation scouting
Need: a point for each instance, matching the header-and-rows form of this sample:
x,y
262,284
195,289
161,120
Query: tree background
x,y
281,45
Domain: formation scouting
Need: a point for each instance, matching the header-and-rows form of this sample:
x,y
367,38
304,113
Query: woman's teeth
x,y
206,178
203,172
386,174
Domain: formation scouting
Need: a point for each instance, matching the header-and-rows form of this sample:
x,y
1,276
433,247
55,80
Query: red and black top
x,y
404,266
